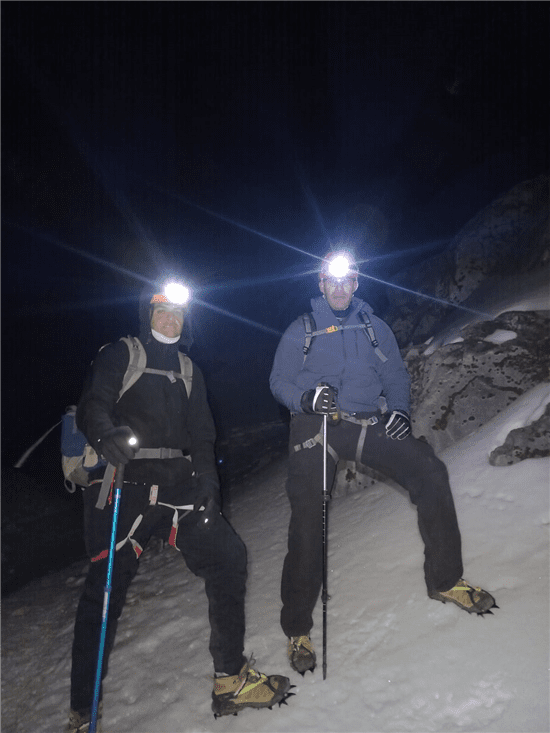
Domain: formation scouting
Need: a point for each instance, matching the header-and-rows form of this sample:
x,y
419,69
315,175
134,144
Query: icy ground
x,y
397,661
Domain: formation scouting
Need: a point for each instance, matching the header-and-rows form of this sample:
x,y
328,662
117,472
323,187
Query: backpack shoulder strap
x,y
371,335
309,327
186,366
136,364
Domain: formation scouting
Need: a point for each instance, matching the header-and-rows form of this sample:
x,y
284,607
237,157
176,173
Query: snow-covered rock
x,y
485,262
531,441
461,386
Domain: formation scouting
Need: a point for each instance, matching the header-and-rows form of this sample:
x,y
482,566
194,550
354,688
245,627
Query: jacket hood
x,y
145,335
319,304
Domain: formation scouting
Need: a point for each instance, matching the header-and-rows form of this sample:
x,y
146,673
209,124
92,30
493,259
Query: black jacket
x,y
158,412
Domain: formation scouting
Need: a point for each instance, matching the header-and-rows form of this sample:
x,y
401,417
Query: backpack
x,y
78,458
366,325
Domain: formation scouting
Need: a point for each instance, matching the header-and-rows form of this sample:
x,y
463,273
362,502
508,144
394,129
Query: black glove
x,y
398,425
321,400
114,445
208,501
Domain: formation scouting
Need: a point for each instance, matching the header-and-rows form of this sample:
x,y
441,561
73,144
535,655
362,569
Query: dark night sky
x,y
138,134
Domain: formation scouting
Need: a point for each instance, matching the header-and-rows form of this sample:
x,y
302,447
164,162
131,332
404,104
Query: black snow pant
x,y
215,554
412,463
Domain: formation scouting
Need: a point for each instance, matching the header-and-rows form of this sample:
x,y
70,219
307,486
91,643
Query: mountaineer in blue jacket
x,y
344,362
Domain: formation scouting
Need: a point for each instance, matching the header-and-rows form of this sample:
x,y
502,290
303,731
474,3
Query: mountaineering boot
x,y
466,596
79,720
248,689
301,654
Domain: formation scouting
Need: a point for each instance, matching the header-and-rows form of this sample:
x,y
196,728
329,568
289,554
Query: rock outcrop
x,y
496,248
531,441
468,364
459,387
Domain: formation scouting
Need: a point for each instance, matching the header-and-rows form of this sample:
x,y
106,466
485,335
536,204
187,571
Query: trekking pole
x,y
324,594
119,478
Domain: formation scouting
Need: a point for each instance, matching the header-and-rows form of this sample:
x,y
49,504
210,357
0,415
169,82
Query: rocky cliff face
x,y
489,257
469,363
477,358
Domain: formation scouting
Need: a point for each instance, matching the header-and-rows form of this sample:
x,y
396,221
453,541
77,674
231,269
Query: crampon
x,y
249,689
301,654
467,597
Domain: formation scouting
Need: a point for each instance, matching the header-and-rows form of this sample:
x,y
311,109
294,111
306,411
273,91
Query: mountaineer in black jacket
x,y
171,482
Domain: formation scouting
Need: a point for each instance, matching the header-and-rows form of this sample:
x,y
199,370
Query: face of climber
x,y
338,291
167,319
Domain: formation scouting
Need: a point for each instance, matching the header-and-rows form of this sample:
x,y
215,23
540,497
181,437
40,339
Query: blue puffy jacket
x,y
344,359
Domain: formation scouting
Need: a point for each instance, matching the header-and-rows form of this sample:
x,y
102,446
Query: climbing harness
x,y
347,417
153,501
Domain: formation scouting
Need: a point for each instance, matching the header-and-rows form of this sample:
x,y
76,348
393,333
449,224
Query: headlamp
x,y
339,266
174,293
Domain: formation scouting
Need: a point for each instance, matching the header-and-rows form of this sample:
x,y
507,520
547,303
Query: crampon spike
x,y
288,694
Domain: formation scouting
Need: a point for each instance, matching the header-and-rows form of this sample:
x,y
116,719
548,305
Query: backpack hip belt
x,y
141,453
161,453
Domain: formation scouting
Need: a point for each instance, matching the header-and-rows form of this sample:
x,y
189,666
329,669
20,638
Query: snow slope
x,y
397,661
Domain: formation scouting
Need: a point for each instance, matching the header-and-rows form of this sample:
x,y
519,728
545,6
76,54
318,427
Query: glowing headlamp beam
x,y
75,250
236,223
247,321
427,297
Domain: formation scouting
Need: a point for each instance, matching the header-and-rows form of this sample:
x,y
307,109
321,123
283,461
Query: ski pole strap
x,y
312,442
105,486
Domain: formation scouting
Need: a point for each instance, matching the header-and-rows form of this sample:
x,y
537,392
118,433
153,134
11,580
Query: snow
x,y
500,336
397,661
